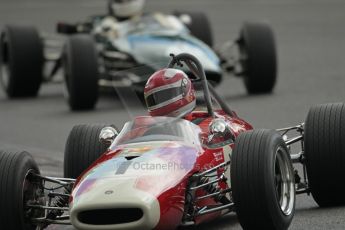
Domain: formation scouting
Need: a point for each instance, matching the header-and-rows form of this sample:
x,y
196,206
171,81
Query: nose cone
x,y
114,203
123,190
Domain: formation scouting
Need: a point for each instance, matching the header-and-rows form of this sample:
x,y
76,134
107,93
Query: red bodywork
x,y
171,191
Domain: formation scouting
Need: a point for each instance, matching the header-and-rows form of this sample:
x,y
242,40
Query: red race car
x,y
165,172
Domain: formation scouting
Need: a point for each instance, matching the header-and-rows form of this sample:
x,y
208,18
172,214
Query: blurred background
x,y
310,39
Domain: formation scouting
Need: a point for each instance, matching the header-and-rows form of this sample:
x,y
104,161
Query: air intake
x,y
110,216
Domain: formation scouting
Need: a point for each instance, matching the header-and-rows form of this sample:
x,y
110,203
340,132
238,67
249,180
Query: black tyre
x,y
82,149
262,181
258,57
324,142
81,72
17,187
198,24
21,64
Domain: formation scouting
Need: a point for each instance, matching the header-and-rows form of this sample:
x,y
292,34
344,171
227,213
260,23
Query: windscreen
x,y
155,23
146,129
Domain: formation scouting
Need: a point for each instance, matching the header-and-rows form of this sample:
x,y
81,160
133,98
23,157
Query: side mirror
x,y
108,135
219,128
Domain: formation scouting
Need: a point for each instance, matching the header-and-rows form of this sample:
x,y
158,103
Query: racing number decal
x,y
123,167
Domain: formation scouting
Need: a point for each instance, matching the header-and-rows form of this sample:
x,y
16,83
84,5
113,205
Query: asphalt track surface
x,y
311,46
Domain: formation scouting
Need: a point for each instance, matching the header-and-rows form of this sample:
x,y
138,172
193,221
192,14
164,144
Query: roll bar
x,y
197,69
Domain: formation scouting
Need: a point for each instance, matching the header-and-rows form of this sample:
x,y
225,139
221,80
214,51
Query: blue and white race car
x,y
95,53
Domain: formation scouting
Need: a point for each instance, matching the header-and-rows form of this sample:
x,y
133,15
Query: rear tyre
x,y
82,149
17,187
198,24
262,181
324,142
21,61
81,72
258,57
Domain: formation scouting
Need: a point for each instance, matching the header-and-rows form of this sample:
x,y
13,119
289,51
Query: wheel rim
x,y
284,184
30,195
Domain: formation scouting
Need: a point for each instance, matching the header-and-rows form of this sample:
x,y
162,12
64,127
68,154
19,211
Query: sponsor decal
x,y
218,156
122,168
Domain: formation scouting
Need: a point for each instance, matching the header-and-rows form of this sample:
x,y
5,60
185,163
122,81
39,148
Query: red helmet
x,y
169,92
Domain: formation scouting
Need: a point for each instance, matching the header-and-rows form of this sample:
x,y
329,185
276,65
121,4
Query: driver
x,y
118,10
169,92
129,12
125,9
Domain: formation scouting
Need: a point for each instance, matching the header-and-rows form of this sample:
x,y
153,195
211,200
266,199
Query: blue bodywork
x,y
153,38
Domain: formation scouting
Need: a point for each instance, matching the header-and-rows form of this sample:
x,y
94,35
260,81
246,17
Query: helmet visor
x,y
163,97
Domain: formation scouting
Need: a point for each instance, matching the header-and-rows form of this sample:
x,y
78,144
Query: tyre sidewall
x,y
253,180
21,164
25,60
325,153
81,72
82,149
24,168
278,216
258,43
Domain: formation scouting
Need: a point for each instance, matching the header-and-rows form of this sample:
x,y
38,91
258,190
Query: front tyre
x,y
81,72
258,57
82,149
324,142
21,61
18,187
262,181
